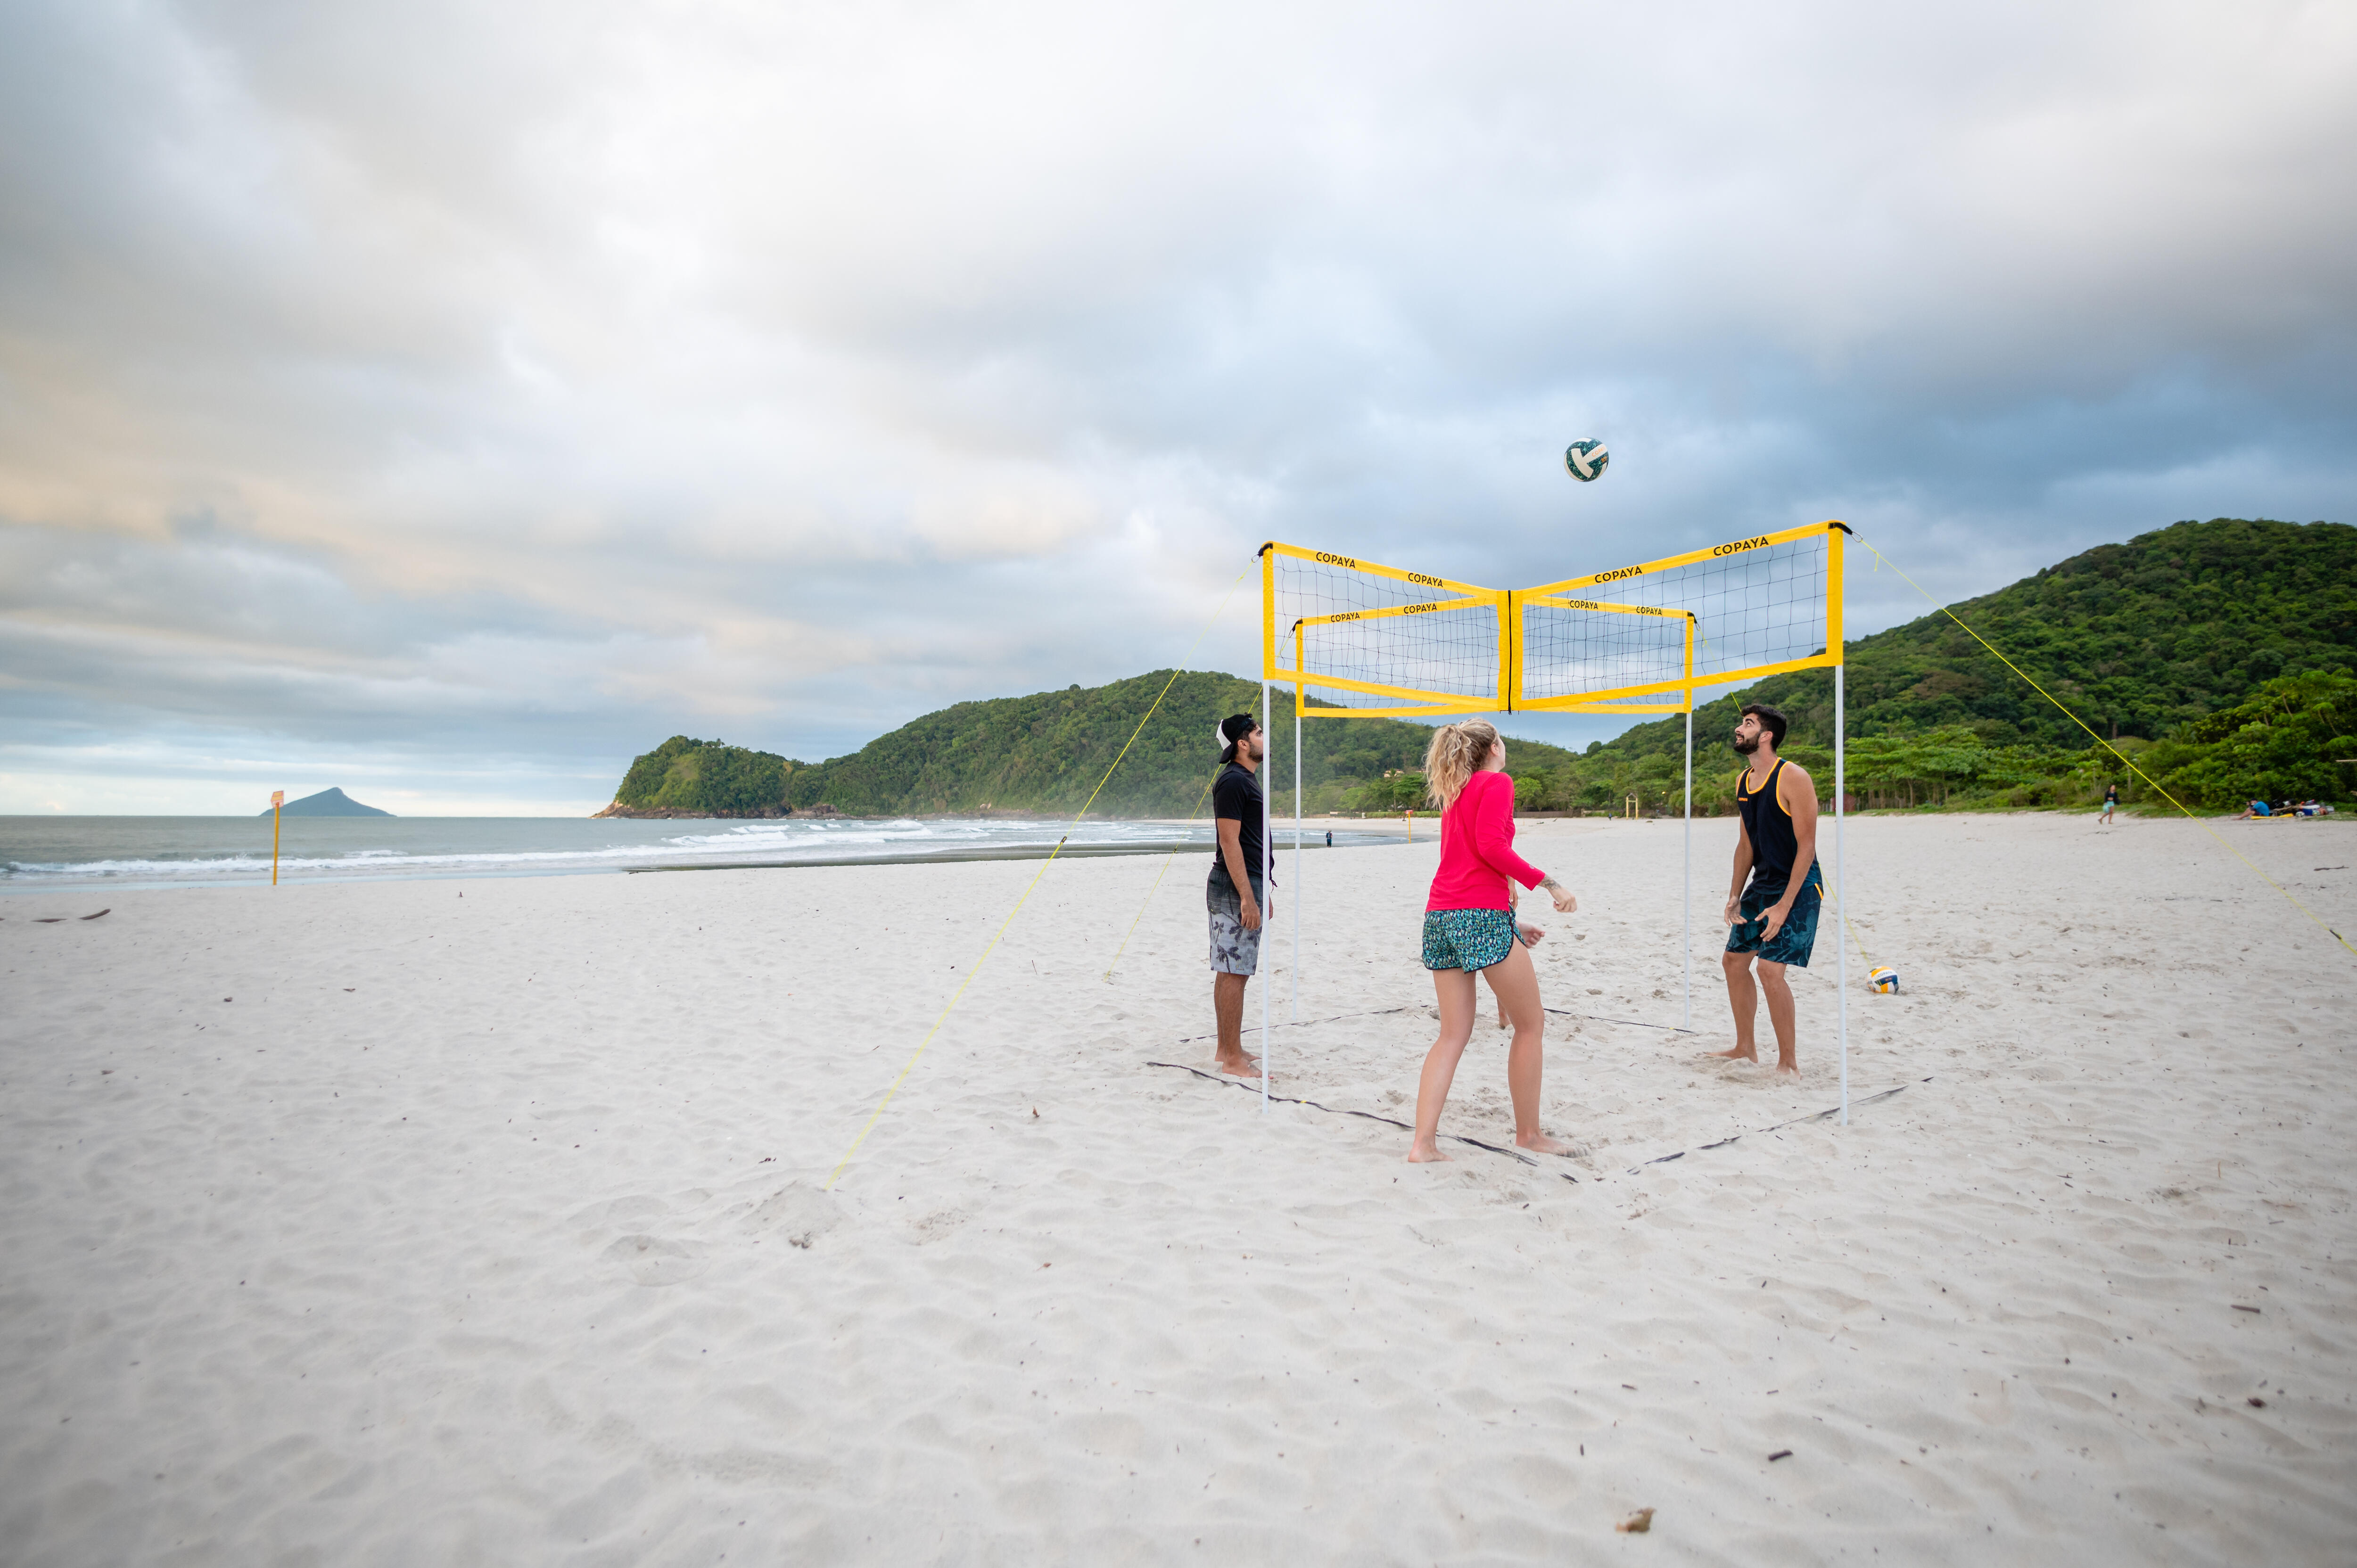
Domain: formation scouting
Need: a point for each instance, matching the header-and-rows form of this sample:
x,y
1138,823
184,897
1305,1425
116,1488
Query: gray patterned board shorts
x,y
1466,939
1234,950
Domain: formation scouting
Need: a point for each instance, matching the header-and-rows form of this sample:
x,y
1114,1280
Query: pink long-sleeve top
x,y
1477,848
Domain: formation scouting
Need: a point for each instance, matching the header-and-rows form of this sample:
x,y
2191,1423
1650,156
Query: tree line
x,y
2294,739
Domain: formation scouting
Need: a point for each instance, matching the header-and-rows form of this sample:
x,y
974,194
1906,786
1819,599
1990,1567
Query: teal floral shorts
x,y
1466,939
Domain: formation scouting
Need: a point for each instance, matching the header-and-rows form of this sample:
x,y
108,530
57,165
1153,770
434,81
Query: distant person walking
x,y
1236,895
1470,928
2111,804
1774,918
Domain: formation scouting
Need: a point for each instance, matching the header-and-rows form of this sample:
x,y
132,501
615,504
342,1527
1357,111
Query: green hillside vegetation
x,y
2162,639
2288,743
1045,752
707,776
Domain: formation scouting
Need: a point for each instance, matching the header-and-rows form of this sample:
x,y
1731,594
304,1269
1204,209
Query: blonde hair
x,y
1457,752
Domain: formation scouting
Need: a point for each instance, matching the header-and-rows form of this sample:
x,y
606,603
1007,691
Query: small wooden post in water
x,y
278,799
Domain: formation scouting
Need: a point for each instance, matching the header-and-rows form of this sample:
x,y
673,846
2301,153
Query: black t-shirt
x,y
1235,798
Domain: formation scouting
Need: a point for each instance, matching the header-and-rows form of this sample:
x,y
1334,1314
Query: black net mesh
x,y
1423,642
1374,639
1752,608
1573,646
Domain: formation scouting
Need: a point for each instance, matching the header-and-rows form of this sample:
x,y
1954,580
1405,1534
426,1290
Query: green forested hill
x,y
2148,638
686,776
2163,630
1046,752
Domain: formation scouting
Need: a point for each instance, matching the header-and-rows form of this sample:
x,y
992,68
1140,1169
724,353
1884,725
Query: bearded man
x,y
1772,920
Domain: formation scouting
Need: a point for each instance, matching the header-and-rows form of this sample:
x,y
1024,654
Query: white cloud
x,y
541,379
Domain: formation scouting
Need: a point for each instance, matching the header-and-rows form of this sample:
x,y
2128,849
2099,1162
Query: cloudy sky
x,y
447,401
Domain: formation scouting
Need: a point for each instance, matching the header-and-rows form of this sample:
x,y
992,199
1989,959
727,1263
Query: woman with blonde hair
x,y
1470,927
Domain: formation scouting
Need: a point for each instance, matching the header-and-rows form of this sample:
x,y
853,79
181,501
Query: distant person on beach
x,y
1470,928
1235,895
2111,804
1774,918
2256,808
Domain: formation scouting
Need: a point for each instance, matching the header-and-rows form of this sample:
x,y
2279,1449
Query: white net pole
x,y
1267,865
1689,944
1841,886
1296,852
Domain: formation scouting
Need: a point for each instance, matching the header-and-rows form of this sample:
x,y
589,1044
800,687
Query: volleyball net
x,y
1368,640
1381,642
1356,638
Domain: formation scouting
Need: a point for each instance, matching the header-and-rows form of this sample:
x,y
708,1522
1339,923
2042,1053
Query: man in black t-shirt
x,y
1236,894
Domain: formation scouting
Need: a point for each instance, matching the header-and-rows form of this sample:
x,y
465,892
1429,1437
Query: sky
x,y
449,401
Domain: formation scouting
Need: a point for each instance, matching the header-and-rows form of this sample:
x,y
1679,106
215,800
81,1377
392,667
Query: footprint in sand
x,y
652,1261
799,1212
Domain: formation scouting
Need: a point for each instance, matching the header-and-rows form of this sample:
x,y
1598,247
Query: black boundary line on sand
x,y
1795,1122
1410,1007
1252,1086
1305,1022
1600,1018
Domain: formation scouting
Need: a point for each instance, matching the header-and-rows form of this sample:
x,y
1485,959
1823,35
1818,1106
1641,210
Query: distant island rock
x,y
329,803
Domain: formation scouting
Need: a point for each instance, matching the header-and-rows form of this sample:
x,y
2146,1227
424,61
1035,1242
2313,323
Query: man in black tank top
x,y
1772,919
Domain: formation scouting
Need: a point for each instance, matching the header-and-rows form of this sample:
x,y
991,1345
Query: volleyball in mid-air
x,y
1585,459
1884,977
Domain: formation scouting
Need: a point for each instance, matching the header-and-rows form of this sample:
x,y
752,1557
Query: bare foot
x,y
1242,1066
1791,1068
1426,1154
1738,1054
1540,1144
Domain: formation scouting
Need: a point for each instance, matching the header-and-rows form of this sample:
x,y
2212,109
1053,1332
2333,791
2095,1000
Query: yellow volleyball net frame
x,y
1362,639
1494,655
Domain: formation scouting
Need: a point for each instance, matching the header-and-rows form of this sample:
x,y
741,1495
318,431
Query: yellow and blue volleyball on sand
x,y
1882,977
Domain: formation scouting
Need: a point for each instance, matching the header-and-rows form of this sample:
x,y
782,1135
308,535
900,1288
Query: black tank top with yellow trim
x,y
1768,826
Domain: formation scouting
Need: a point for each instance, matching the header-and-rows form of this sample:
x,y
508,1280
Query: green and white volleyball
x,y
1585,459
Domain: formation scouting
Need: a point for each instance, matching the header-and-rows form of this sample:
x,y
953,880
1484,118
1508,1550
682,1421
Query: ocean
x,y
44,853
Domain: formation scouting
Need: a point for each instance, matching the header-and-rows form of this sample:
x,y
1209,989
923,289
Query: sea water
x,y
164,852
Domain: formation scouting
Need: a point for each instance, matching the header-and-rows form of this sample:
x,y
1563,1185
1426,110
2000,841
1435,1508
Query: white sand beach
x,y
448,1222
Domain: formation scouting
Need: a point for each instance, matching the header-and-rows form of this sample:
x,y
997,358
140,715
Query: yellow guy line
x,y
1863,956
976,967
2116,751
1159,875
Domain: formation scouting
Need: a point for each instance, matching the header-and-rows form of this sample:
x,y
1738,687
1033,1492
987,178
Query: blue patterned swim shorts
x,y
1794,941
1466,939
